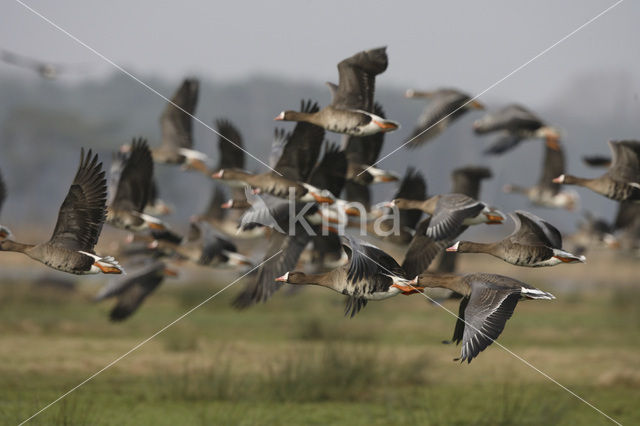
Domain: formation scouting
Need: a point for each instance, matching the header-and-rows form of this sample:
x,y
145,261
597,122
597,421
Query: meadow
x,y
297,360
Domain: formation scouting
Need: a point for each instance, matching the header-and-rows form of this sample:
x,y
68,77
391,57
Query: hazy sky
x,y
466,44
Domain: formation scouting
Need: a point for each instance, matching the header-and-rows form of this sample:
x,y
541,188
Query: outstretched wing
x,y
625,165
357,75
449,215
444,107
331,171
552,167
231,153
176,122
485,316
302,148
134,184
82,213
367,261
422,250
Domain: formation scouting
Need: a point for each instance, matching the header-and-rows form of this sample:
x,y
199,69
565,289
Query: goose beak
x,y
352,211
4,234
157,226
391,203
227,204
410,93
388,178
386,126
218,174
454,248
476,105
198,165
170,272
321,199
280,117
414,281
283,279
559,179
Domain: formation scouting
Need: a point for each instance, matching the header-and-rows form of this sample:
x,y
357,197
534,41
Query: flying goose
x,y
155,205
445,106
465,180
287,246
47,70
370,274
488,302
351,110
176,124
515,124
4,231
80,220
451,214
134,289
534,242
546,193
130,190
622,181
205,246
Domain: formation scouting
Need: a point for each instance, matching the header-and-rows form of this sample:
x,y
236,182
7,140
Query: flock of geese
x,y
317,194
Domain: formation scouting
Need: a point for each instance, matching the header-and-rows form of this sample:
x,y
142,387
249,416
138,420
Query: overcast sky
x,y
470,45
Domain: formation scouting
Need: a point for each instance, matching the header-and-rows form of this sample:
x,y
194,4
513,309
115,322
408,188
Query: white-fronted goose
x,y
351,110
4,231
515,123
177,130
48,70
622,181
534,242
422,250
488,302
156,206
130,190
546,193
449,103
206,247
330,175
370,274
413,187
134,289
592,232
452,213
464,180
80,220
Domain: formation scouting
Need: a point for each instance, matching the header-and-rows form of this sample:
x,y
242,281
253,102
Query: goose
x,y
451,213
4,231
351,109
593,232
488,302
80,220
546,193
285,248
534,243
621,182
445,106
205,246
274,184
370,274
156,206
176,124
414,187
465,180
231,155
515,123
46,70
130,190
134,289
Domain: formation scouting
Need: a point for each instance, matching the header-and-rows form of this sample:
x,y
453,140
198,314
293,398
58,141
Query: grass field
x,y
297,360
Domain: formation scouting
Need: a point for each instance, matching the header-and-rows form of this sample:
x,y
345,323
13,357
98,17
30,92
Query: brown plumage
x,y
488,302
80,220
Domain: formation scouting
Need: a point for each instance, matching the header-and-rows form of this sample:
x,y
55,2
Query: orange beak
x,y
198,165
565,259
557,180
388,178
386,125
170,272
321,199
157,226
218,174
493,219
476,105
352,211
227,204
282,279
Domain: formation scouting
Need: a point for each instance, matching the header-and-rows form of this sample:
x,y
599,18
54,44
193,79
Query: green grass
x,y
297,360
